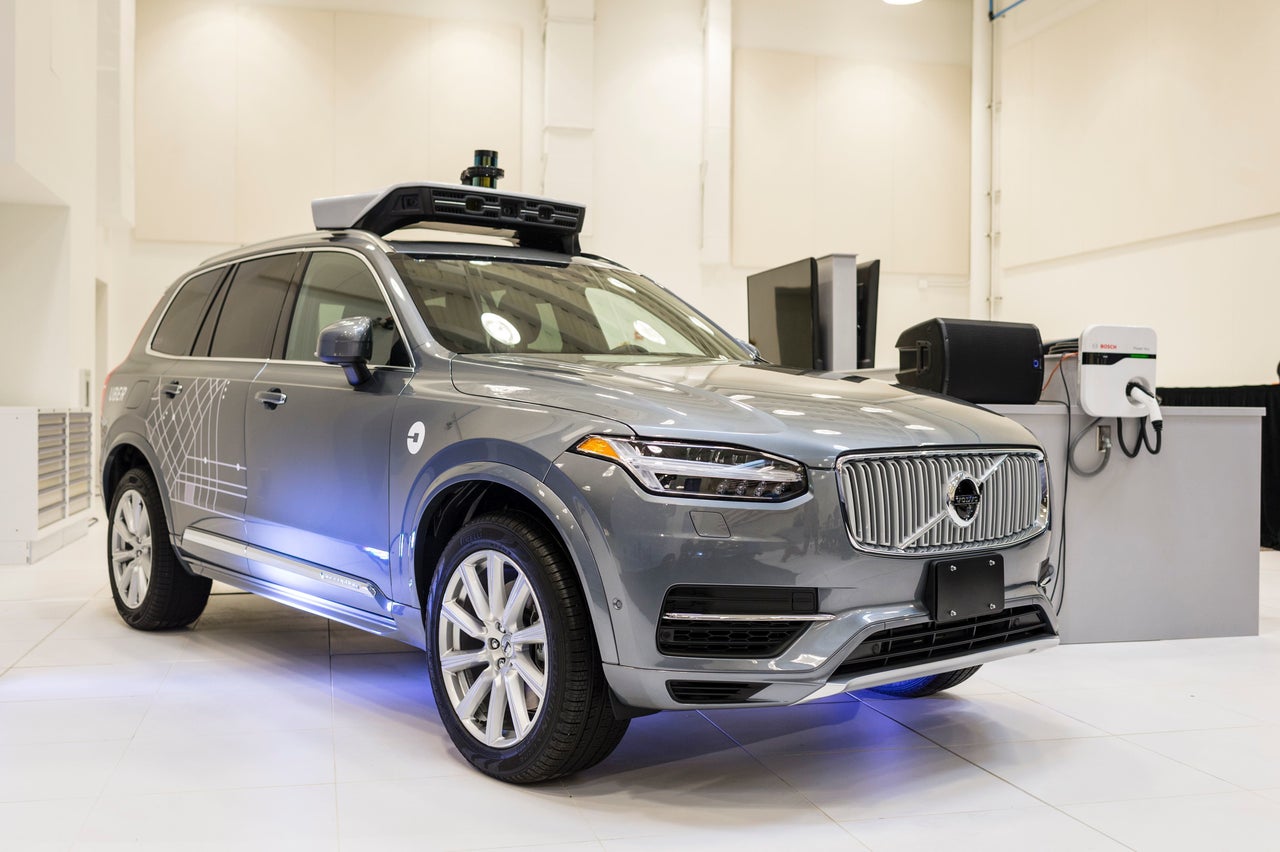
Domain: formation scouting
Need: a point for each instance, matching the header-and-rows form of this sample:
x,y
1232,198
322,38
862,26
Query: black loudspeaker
x,y
974,360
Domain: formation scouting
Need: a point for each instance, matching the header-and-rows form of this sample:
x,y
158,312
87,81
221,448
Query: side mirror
x,y
349,344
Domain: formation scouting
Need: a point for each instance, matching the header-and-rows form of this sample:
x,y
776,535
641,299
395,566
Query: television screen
x,y
868,299
780,315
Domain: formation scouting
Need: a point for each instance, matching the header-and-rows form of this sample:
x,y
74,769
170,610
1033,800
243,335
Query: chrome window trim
x,y
277,361
382,288
1039,525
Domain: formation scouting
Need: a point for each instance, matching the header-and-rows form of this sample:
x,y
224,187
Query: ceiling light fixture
x,y
902,2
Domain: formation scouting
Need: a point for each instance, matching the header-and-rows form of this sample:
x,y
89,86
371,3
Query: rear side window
x,y
251,311
337,286
177,331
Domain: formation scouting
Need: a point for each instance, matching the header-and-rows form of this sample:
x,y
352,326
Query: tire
x,y
922,686
152,589
543,640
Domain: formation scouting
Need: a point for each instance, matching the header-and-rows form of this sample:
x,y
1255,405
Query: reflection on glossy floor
x,y
263,728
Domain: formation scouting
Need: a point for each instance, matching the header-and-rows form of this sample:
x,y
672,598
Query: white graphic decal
x,y
184,431
417,432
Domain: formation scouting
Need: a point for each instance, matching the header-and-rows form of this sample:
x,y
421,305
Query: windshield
x,y
474,305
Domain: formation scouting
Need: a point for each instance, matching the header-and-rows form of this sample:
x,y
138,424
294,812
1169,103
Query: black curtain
x,y
1249,396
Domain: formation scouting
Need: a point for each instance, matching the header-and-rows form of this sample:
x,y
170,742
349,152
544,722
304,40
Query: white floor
x,y
263,728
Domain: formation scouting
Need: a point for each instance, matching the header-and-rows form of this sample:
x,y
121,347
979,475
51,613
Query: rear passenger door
x,y
318,451
201,409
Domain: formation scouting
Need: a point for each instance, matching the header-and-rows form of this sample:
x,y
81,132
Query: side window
x,y
251,310
336,286
177,331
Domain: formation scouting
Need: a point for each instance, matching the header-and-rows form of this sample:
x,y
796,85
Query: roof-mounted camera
x,y
484,171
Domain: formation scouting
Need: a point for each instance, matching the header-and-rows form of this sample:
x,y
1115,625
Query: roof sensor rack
x,y
539,223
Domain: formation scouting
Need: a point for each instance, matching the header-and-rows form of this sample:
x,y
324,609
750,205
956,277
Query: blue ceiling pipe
x,y
991,8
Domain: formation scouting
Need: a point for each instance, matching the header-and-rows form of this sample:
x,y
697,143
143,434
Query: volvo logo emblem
x,y
964,494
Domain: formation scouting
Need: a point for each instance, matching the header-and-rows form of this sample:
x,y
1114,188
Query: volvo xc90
x,y
578,494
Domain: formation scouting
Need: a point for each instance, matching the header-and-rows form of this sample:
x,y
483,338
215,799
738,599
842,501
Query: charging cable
x,y
1071,452
1138,394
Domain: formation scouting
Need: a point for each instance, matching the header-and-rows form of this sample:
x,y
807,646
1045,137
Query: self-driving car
x,y
578,494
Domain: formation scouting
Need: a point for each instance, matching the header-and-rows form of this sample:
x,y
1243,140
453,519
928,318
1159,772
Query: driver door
x,y
318,518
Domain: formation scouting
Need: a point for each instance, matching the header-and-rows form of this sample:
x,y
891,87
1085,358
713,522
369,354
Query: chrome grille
x,y
897,502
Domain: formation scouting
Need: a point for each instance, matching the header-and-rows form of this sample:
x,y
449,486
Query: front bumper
x,y
646,544
653,688
650,688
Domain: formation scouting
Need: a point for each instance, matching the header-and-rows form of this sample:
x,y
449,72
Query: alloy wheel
x,y
492,648
131,549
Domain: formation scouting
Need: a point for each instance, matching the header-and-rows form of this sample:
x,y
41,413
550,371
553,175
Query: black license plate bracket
x,y
957,589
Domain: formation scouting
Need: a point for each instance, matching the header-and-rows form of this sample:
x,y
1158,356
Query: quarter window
x,y
337,286
177,331
251,311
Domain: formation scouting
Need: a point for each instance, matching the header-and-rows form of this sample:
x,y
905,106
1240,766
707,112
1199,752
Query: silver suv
x,y
578,494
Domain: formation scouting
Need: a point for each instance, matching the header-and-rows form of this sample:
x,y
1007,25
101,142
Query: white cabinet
x,y
46,490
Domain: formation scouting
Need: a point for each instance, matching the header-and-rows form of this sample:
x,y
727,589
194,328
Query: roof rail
x,y
534,222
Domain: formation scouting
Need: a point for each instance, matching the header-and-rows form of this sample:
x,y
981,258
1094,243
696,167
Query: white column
x,y
568,147
981,244
717,94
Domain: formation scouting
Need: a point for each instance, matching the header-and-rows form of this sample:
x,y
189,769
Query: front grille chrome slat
x,y
896,503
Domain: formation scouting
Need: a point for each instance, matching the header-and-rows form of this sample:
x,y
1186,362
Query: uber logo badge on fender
x,y
417,432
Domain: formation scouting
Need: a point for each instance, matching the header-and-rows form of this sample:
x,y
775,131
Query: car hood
x,y
807,418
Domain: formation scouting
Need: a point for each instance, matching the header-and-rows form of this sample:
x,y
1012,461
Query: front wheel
x,y
922,686
514,666
152,590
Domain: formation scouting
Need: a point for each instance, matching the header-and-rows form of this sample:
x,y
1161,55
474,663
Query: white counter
x,y
1158,547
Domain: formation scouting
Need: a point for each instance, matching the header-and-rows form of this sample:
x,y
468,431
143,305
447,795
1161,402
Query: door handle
x,y
173,389
271,399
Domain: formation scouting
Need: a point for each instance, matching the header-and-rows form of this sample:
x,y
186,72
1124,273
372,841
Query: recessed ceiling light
x,y
902,2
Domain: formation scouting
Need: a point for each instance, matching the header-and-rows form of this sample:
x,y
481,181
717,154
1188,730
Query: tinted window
x,y
251,310
177,330
336,286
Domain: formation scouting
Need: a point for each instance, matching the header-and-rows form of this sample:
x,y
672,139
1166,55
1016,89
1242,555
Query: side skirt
x,y
402,622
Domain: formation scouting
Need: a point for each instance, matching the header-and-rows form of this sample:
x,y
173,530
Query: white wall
x,y
247,112
48,211
634,153
648,139
35,286
1138,177
851,134
1134,151
235,137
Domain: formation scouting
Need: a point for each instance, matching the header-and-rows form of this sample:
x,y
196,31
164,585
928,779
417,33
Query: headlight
x,y
701,470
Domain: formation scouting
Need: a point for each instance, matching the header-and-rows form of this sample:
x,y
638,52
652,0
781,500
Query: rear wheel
x,y
514,666
152,590
922,686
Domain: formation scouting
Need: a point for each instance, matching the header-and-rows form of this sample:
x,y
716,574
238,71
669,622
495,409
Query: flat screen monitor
x,y
782,315
816,313
868,299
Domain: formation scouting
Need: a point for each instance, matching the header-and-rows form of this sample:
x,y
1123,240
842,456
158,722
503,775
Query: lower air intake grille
x,y
899,647
712,691
735,639
707,627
